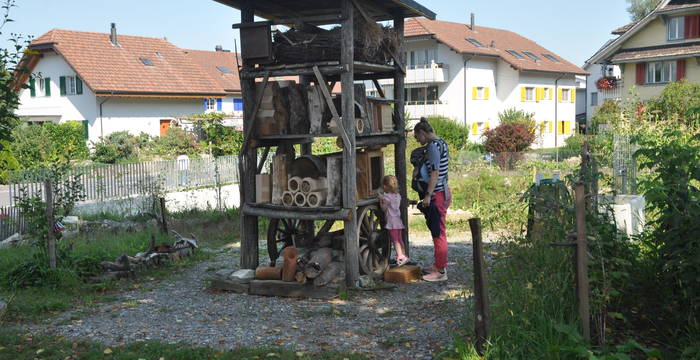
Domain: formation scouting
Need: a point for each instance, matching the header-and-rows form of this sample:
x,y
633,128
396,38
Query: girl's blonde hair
x,y
390,183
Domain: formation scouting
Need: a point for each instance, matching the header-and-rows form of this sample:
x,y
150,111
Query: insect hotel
x,y
291,62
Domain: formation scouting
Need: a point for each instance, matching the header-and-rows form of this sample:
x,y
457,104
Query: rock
x,y
367,281
243,275
11,241
223,273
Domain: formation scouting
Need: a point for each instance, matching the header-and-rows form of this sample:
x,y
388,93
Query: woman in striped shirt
x,y
437,197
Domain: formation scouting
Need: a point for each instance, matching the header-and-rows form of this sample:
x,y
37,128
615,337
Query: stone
x,y
11,241
243,275
223,273
367,281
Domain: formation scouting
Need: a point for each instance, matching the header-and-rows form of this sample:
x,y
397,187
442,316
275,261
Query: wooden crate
x,y
370,171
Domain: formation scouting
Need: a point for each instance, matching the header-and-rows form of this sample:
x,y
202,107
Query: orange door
x,y
164,126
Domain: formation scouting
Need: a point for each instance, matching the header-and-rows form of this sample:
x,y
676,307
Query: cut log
x,y
272,117
316,198
298,114
294,184
310,184
300,199
334,173
316,106
288,198
317,262
300,277
279,175
289,267
359,125
329,274
120,264
268,273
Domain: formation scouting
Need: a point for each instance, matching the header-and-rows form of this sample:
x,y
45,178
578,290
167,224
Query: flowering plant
x,y
606,83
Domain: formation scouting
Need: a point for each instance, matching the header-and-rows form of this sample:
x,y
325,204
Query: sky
x,y
574,30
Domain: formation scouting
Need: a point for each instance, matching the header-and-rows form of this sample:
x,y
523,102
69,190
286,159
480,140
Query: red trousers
x,y
435,219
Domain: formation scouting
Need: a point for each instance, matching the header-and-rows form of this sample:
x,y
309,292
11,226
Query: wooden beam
x,y
292,289
263,158
482,319
293,213
379,88
329,101
247,136
582,262
400,147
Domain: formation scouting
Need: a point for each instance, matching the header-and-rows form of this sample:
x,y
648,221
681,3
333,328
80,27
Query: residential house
x,y
471,73
660,48
113,82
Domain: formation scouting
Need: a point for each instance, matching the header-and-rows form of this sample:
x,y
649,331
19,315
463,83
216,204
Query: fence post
x,y
482,321
50,241
164,220
582,261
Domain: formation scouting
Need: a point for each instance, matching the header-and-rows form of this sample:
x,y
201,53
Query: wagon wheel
x,y
280,234
374,243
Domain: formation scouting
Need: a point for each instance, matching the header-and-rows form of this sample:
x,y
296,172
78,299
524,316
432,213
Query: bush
x,y
508,141
455,134
176,142
118,146
517,116
221,140
608,113
680,101
43,145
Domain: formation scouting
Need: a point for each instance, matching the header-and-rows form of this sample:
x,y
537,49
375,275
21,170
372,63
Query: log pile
x,y
320,266
125,266
305,192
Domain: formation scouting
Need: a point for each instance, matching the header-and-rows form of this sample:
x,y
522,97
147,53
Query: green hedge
x,y
46,144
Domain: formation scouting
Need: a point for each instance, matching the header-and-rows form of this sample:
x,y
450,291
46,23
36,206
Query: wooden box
x,y
370,171
387,122
381,114
403,274
263,188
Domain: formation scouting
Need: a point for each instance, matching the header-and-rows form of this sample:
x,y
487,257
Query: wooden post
x,y
50,240
400,146
482,320
163,218
582,261
248,165
347,55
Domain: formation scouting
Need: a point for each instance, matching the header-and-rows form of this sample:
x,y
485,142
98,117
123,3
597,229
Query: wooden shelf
x,y
331,68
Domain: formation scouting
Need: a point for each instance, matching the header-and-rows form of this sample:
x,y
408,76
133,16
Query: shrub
x,y
455,134
609,112
679,101
221,140
517,116
508,141
43,145
118,146
176,142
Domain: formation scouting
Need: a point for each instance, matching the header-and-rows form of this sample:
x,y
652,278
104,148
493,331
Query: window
x,y
515,53
565,94
594,99
661,72
71,88
40,84
158,55
146,61
432,95
475,42
529,94
224,69
422,95
676,25
480,93
552,58
531,55
211,104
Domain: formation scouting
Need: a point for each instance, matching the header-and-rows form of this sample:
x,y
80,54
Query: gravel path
x,y
413,321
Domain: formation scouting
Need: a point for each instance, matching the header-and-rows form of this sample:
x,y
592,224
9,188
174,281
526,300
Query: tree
x,y
640,8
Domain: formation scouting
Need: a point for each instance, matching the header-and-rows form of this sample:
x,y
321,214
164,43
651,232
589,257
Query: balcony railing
x,y
417,109
612,94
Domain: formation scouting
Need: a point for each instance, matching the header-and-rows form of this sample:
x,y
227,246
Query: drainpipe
x,y
556,113
101,125
466,60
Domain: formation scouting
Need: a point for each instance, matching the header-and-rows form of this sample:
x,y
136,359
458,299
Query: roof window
x,y
224,69
475,42
146,61
550,57
158,55
531,55
515,53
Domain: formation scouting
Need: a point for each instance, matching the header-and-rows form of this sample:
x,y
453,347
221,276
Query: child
x,y
390,201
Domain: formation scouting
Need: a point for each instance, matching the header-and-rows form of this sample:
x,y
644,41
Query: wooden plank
x,y
361,100
582,262
331,106
316,108
482,319
352,265
279,174
263,158
295,213
292,289
50,239
377,86
400,147
227,285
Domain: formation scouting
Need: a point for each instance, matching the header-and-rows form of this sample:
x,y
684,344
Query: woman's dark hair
x,y
423,125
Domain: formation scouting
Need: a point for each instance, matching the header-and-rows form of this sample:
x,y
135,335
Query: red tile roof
x,y
454,35
213,62
623,29
107,69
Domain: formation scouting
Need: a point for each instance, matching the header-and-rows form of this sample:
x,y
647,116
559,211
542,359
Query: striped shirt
x,y
438,159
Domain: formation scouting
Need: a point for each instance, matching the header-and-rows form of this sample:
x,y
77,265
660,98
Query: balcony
x,y
429,73
611,94
434,108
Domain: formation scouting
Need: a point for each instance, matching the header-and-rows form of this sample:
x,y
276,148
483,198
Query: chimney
x,y
472,21
219,48
113,35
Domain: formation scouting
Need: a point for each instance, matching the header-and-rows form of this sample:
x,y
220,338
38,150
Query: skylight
x,y
515,53
146,61
475,42
531,55
550,57
158,55
224,69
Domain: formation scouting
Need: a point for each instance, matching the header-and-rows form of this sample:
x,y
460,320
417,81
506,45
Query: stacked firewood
x,y
124,266
319,265
310,192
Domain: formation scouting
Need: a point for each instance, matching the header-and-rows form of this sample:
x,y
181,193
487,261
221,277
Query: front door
x,y
164,126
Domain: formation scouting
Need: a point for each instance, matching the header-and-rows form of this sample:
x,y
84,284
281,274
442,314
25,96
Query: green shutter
x,y
78,85
62,84
47,86
32,87
86,134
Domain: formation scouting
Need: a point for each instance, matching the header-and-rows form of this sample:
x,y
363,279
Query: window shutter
x,y
238,104
205,104
641,70
691,26
559,94
567,127
62,84
523,93
486,93
78,86
32,87
549,125
680,69
537,95
474,93
573,95
47,86
486,126
475,128
86,134
218,104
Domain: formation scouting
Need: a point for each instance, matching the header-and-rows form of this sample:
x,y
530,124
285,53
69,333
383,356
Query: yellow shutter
x,y
523,93
475,128
474,93
486,93
567,127
537,94
573,95
486,126
550,127
559,96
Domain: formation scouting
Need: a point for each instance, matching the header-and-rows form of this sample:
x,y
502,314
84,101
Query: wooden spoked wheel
x,y
375,247
280,234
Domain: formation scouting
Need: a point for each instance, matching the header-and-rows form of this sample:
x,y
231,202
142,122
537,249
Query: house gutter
x,y
101,122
